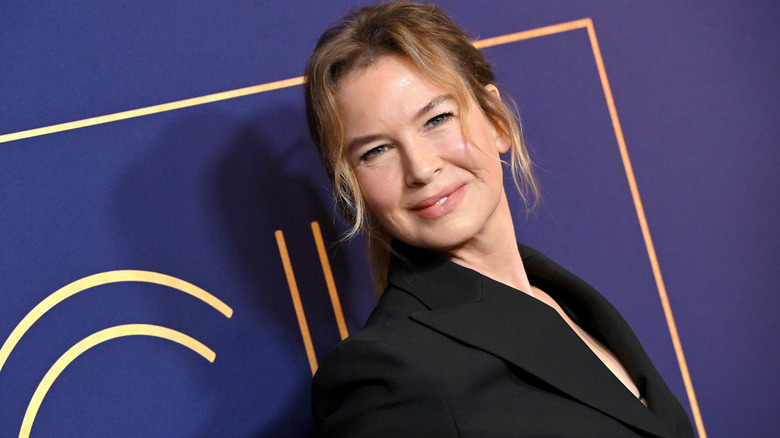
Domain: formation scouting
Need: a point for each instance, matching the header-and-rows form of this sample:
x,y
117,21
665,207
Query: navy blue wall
x,y
196,193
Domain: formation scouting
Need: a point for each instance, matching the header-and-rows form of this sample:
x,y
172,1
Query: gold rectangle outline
x,y
585,23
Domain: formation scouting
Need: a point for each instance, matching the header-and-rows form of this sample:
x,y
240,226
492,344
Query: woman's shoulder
x,y
389,326
374,383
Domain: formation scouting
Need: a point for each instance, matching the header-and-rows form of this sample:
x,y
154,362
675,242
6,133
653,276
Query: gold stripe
x,y
93,340
334,295
99,279
296,298
532,33
640,212
152,109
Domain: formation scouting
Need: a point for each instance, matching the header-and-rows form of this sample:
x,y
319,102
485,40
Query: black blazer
x,y
449,352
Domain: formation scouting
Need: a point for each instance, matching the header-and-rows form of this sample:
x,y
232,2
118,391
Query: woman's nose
x,y
422,164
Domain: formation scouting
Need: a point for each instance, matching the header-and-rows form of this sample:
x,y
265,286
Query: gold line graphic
x,y
152,109
296,299
640,213
585,23
533,33
334,295
99,279
256,89
93,340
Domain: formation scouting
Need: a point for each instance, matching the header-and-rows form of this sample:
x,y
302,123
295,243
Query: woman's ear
x,y
503,141
493,90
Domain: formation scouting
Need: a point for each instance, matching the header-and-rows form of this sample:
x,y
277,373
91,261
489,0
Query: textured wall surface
x,y
141,285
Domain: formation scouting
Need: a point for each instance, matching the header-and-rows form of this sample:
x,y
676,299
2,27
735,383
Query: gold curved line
x,y
640,213
98,338
154,109
100,279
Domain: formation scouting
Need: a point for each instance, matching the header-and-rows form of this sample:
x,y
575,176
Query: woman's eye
x,y
438,120
373,153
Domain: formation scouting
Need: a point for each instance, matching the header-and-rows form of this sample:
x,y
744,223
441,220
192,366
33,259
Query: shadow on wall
x,y
203,205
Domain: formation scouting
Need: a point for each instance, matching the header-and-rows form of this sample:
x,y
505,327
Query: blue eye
x,y
438,120
373,152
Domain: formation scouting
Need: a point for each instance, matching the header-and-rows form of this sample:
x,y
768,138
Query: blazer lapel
x,y
519,329
604,321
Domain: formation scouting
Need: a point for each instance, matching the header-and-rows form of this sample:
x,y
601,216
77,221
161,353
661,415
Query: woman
x,y
474,335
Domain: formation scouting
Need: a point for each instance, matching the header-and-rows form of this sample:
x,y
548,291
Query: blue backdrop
x,y
197,335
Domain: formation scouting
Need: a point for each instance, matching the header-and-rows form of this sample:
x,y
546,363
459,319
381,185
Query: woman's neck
x,y
493,252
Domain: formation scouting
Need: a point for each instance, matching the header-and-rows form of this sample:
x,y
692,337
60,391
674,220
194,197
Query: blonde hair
x,y
423,34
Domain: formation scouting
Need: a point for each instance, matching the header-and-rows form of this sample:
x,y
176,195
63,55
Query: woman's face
x,y
419,177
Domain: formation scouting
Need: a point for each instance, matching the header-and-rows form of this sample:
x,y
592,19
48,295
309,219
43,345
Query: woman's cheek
x,y
380,188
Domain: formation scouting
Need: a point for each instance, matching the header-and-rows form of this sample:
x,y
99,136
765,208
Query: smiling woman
x,y
474,334
420,178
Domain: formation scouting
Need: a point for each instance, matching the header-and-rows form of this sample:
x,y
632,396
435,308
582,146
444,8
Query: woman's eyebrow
x,y
436,101
360,141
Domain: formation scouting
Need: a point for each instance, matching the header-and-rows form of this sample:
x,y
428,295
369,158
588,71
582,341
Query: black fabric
x,y
450,352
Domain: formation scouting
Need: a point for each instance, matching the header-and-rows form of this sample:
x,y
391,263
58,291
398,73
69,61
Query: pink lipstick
x,y
442,203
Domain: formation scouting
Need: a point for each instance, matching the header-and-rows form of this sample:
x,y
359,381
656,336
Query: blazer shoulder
x,y
370,388
374,383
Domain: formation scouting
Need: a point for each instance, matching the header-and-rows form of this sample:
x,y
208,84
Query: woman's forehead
x,y
390,89
388,77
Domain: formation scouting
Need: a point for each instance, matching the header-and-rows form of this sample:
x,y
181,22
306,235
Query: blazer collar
x,y
511,325
422,273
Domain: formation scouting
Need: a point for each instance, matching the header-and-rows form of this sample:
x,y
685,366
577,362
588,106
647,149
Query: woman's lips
x,y
442,203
